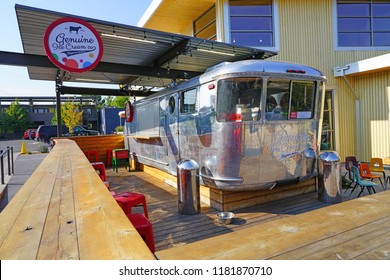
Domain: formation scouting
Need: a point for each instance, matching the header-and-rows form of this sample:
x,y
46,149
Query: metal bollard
x,y
329,177
188,187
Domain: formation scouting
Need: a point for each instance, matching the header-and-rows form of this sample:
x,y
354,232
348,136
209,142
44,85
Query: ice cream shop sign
x,y
73,45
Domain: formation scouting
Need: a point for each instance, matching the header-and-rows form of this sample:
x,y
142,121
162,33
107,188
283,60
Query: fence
x,y
9,154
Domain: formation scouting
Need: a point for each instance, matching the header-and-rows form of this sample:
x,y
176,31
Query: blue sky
x,y
14,81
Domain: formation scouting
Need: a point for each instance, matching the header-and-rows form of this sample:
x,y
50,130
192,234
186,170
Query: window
x,y
205,25
251,23
363,23
41,110
289,99
238,99
87,111
328,133
171,105
302,97
188,101
278,97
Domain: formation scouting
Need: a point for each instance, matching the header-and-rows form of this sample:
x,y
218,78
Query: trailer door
x,y
172,131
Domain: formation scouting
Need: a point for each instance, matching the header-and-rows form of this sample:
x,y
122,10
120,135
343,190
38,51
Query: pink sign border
x,y
55,61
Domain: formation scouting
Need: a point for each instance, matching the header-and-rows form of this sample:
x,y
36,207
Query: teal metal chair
x,y
364,184
349,162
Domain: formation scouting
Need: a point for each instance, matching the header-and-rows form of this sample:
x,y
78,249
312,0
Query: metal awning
x,y
134,56
370,65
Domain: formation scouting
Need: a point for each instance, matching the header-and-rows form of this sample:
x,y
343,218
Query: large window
x,y
251,23
205,25
363,23
289,99
239,99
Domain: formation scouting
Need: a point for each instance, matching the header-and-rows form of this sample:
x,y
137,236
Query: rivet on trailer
x,y
250,125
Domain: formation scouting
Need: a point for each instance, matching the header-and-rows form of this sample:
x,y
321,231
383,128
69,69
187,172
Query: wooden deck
x,y
64,211
182,237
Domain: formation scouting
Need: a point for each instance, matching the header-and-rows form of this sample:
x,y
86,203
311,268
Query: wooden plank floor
x,y
172,229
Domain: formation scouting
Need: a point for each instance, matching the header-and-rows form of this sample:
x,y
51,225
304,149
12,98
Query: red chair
x,y
365,173
108,157
99,166
127,200
91,154
144,228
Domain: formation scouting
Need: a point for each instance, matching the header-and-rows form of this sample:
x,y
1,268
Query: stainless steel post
x,y
329,177
188,187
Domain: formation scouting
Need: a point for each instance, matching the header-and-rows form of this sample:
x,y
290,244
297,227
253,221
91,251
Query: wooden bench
x,y
64,211
355,229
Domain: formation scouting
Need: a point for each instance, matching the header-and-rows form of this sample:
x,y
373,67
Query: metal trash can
x,y
188,187
329,177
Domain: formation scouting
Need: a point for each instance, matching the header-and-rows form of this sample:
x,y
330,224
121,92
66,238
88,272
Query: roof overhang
x,y
374,64
166,15
127,61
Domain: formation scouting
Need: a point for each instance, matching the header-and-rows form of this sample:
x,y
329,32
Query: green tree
x,y
54,119
15,118
100,102
117,102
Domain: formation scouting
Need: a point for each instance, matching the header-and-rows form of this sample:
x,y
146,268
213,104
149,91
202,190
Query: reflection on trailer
x,y
249,125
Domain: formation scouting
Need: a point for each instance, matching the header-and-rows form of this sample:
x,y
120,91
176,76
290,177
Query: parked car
x,y
29,133
79,130
45,132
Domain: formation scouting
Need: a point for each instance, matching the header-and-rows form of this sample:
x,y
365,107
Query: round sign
x,y
129,111
73,45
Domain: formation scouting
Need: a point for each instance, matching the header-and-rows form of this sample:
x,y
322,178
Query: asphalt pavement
x,y
24,166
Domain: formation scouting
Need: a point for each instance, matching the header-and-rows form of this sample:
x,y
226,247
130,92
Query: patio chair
x,y
376,165
349,162
365,173
369,185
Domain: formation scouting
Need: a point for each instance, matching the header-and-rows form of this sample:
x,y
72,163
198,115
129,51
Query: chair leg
x,y
354,187
360,192
383,185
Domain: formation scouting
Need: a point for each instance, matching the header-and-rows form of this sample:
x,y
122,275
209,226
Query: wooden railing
x,y
64,211
100,143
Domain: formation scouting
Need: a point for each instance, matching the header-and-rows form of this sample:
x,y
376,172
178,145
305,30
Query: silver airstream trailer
x,y
249,125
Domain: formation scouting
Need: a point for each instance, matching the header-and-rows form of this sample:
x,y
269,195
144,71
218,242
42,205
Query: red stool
x,y
108,157
127,200
91,154
144,228
99,166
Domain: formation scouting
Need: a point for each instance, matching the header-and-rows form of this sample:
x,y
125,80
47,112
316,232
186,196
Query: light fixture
x,y
216,52
128,38
92,80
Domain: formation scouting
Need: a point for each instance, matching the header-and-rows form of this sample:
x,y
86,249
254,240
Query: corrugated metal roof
x,y
168,52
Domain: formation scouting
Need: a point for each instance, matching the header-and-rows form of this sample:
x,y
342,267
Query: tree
x,y
71,115
101,102
15,118
118,101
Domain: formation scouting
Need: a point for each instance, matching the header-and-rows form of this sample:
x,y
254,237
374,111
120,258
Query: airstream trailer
x,y
250,125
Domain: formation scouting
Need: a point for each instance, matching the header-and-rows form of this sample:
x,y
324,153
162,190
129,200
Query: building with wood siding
x,y
348,40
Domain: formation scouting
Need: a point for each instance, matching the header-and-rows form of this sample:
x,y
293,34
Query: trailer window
x,y
289,99
302,97
188,101
238,99
278,96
